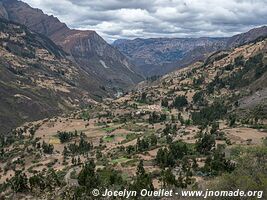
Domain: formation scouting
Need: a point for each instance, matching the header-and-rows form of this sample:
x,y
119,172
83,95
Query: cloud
x,y
114,19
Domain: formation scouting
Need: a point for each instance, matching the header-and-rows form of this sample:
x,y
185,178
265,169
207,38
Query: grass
x,y
54,141
129,137
109,129
109,138
131,162
166,110
125,177
120,160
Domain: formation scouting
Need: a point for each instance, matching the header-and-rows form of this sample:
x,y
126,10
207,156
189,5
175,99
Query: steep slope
x,y
162,55
86,48
36,79
186,121
247,37
236,78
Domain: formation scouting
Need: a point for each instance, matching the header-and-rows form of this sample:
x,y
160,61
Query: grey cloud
x,y
115,19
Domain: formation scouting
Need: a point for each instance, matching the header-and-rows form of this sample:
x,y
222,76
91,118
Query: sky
x,y
129,19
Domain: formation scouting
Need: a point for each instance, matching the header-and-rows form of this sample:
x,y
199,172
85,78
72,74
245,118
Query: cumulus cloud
x,y
114,19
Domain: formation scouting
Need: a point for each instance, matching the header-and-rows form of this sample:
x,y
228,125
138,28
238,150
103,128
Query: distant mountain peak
x,y
157,56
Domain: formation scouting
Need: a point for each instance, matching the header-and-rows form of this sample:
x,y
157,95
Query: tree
x,y
37,182
205,144
198,98
143,98
250,172
142,180
232,120
179,102
47,148
179,149
209,114
167,178
140,169
32,132
153,140
164,103
19,183
87,177
217,163
214,128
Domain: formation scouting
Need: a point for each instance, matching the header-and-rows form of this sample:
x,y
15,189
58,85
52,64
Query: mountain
x,y
206,123
235,77
86,48
36,78
156,56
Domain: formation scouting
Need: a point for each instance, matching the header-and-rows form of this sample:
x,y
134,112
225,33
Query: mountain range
x,y
101,61
158,56
36,78
47,68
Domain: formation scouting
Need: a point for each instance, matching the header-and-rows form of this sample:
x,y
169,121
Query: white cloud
x,y
115,19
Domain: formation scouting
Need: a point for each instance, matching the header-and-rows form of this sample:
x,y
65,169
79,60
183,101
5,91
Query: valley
x,y
158,56
188,129
80,116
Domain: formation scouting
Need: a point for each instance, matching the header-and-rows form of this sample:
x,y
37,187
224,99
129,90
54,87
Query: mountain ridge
x,y
94,49
157,56
36,78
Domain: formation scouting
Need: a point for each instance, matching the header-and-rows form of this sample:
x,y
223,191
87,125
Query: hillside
x,y
86,48
36,79
232,76
198,128
157,56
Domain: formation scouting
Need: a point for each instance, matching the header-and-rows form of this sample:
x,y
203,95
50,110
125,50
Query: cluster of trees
x,y
156,118
85,115
170,129
167,157
240,78
217,163
146,143
198,98
250,172
89,178
165,103
209,114
76,161
142,180
142,145
37,183
67,136
180,102
47,148
205,143
185,174
82,147
153,78
16,135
